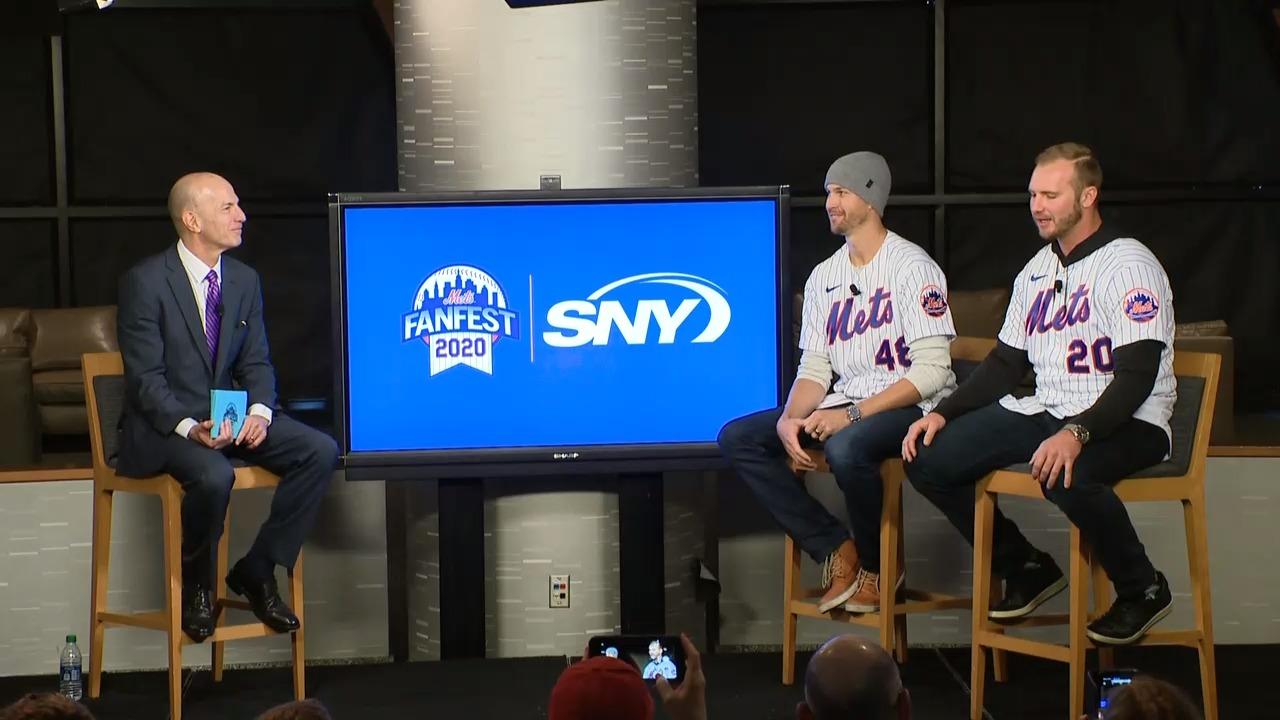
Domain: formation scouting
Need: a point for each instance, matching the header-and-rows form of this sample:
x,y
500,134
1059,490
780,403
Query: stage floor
x,y
739,686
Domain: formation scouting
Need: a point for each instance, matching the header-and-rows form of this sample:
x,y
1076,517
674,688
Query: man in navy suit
x,y
190,320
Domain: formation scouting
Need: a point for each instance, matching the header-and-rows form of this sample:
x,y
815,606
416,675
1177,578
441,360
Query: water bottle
x,y
69,684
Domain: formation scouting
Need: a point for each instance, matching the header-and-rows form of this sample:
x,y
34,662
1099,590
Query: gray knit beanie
x,y
866,174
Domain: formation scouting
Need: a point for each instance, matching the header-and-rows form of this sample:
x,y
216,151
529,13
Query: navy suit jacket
x,y
167,369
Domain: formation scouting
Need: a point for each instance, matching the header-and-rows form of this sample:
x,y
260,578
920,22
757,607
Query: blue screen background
x,y
589,395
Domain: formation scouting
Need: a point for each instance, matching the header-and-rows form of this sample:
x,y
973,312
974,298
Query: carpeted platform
x,y
740,686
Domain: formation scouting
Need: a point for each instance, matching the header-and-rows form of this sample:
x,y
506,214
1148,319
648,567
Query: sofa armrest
x,y
15,332
19,423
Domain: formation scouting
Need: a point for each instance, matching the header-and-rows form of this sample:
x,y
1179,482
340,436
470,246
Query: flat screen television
x,y
505,333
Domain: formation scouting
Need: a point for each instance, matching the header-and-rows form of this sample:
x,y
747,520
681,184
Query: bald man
x,y
190,321
849,678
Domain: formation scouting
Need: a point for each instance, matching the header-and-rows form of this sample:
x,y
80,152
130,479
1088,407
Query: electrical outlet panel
x,y
559,591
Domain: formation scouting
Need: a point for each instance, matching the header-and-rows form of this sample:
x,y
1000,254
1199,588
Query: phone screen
x,y
653,656
1108,682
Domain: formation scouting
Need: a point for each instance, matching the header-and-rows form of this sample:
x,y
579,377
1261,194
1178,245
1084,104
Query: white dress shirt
x,y
197,272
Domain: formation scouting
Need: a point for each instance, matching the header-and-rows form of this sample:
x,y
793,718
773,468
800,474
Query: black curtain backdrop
x,y
288,104
1175,97
26,124
1168,93
28,263
291,104
785,89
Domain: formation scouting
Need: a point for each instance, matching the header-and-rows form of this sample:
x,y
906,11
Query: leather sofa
x,y
41,392
980,313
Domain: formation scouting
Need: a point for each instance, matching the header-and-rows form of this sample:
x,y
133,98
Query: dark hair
x,y
45,706
1149,698
297,710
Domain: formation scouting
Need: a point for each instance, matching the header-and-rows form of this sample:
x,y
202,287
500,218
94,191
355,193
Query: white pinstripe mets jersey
x,y
1070,319
900,297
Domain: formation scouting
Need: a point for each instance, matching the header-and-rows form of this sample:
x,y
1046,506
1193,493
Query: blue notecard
x,y
228,405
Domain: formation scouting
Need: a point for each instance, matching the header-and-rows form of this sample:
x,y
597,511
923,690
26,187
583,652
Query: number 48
x,y
884,356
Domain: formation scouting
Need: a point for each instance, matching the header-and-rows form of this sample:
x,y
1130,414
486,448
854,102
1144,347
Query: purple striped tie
x,y
212,315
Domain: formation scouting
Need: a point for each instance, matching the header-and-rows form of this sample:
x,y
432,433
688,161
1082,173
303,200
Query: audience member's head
x,y
45,706
853,679
600,688
1149,698
297,710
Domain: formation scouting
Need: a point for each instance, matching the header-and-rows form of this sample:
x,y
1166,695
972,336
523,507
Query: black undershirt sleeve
x,y
1136,366
1001,371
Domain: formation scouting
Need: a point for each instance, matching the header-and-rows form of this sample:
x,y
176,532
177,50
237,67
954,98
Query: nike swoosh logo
x,y
1038,278
833,287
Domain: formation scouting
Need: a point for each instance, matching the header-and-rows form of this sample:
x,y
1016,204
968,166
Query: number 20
x,y
1078,352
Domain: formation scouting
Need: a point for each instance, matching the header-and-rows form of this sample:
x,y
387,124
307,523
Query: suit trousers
x,y
304,459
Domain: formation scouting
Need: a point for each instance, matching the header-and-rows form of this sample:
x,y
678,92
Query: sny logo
x,y
1140,305
460,312
593,320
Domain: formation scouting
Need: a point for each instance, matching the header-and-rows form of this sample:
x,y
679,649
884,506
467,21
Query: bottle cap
x,y
71,638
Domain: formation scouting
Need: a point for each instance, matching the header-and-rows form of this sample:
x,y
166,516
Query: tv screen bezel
x,y
538,460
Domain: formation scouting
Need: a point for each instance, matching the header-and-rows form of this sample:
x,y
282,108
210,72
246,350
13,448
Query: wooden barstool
x,y
104,392
891,620
1180,479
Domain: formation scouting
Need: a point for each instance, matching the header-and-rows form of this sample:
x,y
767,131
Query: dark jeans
x,y
992,437
752,447
303,458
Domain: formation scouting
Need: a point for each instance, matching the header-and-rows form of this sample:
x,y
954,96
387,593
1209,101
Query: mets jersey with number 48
x,y
864,319
1069,318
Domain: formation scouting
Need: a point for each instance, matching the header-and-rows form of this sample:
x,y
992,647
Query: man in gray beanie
x,y
875,341
866,175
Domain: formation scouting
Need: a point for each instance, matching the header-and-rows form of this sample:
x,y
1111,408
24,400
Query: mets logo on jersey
x,y
1141,305
460,312
934,301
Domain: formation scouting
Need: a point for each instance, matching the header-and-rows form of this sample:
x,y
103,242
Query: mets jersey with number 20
x,y
1070,318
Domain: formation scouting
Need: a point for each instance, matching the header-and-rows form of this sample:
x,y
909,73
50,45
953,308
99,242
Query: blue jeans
x,y
992,437
752,446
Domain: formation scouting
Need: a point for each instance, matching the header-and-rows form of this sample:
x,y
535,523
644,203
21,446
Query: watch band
x,y
1080,432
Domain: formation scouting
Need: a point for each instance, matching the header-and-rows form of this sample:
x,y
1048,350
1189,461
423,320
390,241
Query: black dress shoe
x,y
197,613
1024,591
1130,618
264,599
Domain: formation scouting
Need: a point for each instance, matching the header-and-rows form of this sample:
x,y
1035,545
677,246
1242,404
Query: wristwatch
x,y
1080,432
854,412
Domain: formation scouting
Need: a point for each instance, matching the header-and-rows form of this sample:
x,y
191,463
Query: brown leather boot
x,y
838,575
866,595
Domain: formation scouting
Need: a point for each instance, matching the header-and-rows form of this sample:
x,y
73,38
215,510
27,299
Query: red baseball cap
x,y
600,688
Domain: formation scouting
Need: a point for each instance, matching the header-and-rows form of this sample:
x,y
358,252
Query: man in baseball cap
x,y
606,688
600,687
